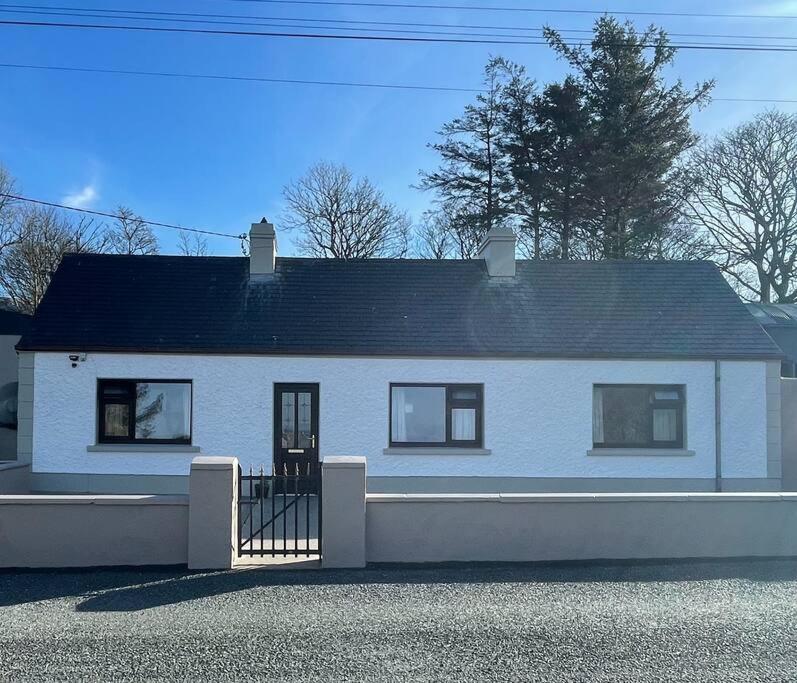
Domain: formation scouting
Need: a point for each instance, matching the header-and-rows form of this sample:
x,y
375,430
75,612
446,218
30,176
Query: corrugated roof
x,y
575,309
774,314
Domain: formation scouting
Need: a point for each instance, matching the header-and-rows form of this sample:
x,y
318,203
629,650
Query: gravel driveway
x,y
691,622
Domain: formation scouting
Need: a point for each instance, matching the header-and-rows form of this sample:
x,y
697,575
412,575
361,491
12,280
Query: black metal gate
x,y
279,513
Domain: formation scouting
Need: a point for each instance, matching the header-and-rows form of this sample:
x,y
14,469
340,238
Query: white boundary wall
x,y
551,527
86,531
200,530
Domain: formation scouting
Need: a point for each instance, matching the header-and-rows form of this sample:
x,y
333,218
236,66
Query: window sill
x,y
431,450
641,451
142,448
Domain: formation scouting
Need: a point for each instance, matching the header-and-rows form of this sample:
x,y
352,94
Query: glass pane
x,y
419,414
305,431
117,419
463,424
163,410
667,395
288,424
665,422
626,415
464,394
597,415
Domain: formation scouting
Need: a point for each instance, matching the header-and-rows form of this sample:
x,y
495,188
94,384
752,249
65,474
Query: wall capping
x,y
725,497
344,462
213,462
45,499
13,465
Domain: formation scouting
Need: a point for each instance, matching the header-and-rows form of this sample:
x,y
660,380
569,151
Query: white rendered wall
x,y
743,416
537,414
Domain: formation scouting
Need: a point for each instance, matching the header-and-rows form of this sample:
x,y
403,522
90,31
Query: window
x,y
637,415
436,415
144,411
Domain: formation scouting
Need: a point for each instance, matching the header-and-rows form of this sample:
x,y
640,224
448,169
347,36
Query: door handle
x,y
312,441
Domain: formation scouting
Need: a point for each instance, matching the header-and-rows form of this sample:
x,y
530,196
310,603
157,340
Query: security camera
x,y
74,358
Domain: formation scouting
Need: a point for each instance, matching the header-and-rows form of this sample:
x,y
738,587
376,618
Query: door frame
x,y
313,388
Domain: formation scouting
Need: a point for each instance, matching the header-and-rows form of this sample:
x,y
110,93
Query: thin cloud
x,y
82,199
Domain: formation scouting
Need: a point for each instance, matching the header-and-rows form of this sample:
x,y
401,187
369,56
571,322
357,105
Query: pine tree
x,y
639,128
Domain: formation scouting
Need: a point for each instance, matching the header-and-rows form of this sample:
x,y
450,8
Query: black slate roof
x,y
579,309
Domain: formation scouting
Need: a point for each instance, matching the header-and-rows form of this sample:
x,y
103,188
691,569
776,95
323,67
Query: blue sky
x,y
216,154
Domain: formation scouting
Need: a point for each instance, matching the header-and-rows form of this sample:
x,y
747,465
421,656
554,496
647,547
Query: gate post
x,y
213,513
343,504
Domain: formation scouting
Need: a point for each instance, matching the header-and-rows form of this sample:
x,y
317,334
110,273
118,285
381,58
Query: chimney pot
x,y
262,248
498,252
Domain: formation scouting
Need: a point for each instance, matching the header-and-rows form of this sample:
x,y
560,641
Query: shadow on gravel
x,y
125,590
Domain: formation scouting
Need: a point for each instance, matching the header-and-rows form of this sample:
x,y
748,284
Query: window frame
x,y
679,404
451,403
131,403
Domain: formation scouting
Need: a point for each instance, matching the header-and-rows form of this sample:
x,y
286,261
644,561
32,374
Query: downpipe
x,y
717,427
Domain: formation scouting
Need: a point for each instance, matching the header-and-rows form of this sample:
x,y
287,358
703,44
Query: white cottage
x,y
486,375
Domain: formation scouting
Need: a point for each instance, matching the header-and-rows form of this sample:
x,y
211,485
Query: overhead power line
x,y
188,17
331,25
105,214
537,10
368,37
296,81
254,79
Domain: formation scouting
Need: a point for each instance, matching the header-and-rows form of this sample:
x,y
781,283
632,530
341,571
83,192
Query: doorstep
x,y
280,562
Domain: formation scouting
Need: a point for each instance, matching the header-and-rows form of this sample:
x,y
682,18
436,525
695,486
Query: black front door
x,y
296,428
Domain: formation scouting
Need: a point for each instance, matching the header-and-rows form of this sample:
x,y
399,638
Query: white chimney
x,y
262,248
498,252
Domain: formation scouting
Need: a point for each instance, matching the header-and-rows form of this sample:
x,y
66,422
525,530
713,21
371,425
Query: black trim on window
x,y
476,404
123,392
676,404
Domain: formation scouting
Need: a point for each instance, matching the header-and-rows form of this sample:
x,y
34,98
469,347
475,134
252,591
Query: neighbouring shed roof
x,y
395,307
780,322
12,322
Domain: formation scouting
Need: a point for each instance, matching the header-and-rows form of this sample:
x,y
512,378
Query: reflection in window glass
x,y
163,410
626,415
305,430
637,415
288,424
132,411
418,414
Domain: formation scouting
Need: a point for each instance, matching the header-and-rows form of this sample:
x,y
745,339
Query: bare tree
x,y
340,217
192,244
8,210
434,237
43,236
131,235
745,197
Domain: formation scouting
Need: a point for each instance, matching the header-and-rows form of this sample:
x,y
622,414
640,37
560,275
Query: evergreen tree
x,y
638,128
473,176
